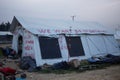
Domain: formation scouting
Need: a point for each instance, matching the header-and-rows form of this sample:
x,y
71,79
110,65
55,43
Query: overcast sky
x,y
106,12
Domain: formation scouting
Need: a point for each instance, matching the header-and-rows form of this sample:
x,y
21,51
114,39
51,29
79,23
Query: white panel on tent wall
x,y
28,45
15,43
24,44
85,46
37,48
21,32
118,41
96,45
112,45
63,47
15,40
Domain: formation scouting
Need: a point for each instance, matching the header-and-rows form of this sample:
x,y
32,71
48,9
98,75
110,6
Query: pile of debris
x,y
27,63
8,73
109,58
8,53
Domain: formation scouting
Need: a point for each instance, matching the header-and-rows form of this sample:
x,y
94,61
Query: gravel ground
x,y
109,73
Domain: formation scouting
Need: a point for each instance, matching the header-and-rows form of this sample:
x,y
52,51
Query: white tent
x,y
5,33
5,37
51,41
117,35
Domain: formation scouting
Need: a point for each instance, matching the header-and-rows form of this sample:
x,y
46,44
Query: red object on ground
x,y
1,64
7,71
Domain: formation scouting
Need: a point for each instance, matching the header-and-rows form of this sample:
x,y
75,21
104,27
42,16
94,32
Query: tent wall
x,y
63,47
92,45
18,32
118,41
14,43
75,46
63,50
38,57
96,44
112,45
85,47
100,45
28,42
49,47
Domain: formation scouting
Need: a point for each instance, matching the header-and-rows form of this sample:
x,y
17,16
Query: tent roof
x,y
5,33
47,27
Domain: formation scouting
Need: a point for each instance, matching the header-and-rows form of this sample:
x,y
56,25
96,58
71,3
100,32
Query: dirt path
x,y
110,73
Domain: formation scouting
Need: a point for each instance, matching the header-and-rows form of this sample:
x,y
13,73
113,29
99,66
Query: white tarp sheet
x,y
49,27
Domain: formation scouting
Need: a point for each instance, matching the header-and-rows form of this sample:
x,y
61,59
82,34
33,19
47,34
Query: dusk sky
x,y
106,12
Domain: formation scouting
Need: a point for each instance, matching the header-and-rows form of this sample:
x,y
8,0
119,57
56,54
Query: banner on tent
x,y
69,31
28,45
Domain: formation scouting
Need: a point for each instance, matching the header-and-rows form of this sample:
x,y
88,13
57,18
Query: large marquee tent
x,y
51,41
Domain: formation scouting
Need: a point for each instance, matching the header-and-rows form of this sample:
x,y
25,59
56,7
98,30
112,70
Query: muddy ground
x,y
109,73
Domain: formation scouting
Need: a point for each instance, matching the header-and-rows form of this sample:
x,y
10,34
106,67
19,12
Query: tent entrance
x,y
49,48
75,47
20,43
